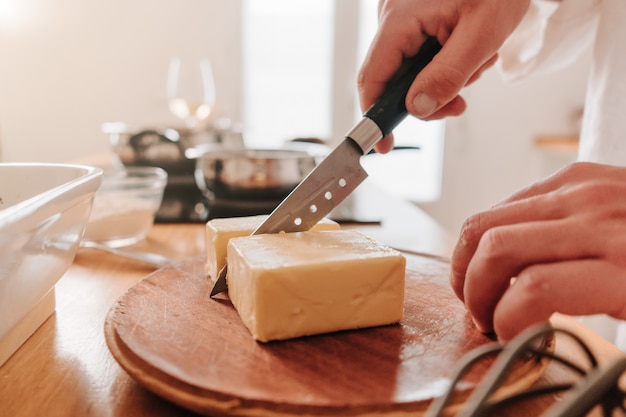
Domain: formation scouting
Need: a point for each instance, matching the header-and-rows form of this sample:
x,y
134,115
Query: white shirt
x,y
551,36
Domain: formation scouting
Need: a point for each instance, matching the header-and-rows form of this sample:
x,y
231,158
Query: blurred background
x,y
282,69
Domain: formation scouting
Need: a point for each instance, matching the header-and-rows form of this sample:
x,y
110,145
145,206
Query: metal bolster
x,y
366,133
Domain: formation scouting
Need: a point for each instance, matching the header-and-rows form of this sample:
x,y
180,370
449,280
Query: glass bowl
x,y
125,206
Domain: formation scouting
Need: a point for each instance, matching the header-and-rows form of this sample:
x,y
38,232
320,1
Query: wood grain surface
x,y
194,351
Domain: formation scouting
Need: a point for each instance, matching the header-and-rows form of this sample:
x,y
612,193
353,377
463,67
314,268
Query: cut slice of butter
x,y
220,231
296,284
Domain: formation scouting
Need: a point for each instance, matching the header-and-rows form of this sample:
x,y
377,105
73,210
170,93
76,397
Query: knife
x,y
340,172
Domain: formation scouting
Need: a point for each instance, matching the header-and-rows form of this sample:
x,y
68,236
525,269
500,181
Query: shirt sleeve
x,y
551,36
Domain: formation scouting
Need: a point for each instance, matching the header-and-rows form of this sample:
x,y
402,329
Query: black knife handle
x,y
390,109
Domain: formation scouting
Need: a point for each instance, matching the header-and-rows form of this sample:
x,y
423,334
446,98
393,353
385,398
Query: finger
x,y
457,105
465,51
503,252
554,201
580,287
588,205
541,207
449,71
454,108
578,185
572,174
482,69
385,144
382,61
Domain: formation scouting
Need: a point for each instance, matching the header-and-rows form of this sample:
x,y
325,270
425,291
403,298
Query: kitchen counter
x,y
66,369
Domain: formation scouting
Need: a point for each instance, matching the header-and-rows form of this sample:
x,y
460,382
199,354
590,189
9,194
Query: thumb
x,y
464,54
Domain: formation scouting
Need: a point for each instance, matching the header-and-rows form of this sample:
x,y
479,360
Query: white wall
x,y
489,151
67,66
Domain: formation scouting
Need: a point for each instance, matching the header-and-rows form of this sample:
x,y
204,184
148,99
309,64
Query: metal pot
x,y
250,181
166,148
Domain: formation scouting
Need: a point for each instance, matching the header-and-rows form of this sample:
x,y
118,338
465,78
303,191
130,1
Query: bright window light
x,y
12,14
287,70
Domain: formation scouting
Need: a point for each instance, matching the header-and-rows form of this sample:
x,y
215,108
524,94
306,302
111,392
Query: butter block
x,y
220,231
289,285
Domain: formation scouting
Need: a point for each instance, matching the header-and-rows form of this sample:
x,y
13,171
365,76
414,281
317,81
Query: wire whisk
x,y
596,386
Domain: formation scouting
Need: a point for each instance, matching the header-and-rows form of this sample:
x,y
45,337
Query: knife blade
x,y
340,172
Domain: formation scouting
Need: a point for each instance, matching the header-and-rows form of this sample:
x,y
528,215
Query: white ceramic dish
x,y
43,212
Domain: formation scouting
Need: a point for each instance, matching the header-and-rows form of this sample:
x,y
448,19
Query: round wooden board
x,y
193,350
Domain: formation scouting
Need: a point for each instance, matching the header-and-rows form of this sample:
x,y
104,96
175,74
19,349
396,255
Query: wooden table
x,y
66,369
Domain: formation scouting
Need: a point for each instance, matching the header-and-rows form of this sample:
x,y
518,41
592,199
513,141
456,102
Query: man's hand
x,y
556,246
470,31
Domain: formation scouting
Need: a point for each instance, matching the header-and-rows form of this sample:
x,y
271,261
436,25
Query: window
x,y
300,59
287,51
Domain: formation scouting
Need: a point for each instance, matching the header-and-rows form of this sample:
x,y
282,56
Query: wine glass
x,y
191,91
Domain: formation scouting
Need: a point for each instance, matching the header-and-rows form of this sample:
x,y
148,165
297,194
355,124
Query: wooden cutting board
x,y
193,350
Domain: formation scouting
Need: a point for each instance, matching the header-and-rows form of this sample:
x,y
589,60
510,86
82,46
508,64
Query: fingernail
x,y
424,104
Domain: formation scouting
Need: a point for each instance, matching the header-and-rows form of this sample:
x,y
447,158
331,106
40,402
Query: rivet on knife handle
x,y
330,182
